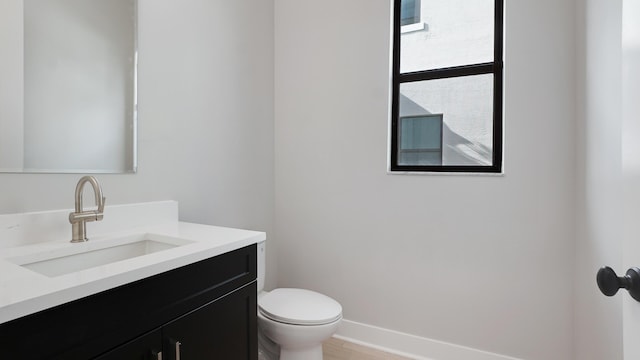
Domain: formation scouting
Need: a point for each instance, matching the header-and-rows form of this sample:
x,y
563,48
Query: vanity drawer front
x,y
223,329
87,327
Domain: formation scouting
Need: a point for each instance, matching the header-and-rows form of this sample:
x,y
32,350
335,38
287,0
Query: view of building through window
x,y
445,84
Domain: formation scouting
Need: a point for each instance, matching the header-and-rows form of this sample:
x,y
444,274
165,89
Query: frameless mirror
x,y
68,88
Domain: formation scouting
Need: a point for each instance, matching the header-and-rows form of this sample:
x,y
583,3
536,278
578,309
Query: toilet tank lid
x,y
299,307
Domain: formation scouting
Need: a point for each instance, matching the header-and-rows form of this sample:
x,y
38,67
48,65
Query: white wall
x,y
481,261
598,322
11,85
205,119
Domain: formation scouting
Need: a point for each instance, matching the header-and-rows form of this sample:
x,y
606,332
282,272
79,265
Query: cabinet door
x,y
145,347
223,329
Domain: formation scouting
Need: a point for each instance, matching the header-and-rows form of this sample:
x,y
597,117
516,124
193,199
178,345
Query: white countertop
x,y
23,291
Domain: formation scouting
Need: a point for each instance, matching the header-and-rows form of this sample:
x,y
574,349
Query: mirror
x,y
68,89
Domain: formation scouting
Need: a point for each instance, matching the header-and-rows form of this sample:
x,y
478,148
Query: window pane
x,y
409,12
421,132
466,105
457,32
420,140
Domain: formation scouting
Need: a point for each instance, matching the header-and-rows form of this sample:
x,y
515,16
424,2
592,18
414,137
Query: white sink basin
x,y
82,256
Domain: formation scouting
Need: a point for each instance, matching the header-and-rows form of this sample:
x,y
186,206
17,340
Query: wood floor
x,y
336,349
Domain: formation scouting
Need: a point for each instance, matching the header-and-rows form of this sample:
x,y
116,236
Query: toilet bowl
x,y
297,321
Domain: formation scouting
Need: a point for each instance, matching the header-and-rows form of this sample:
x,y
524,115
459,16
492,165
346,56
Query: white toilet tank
x,y
261,265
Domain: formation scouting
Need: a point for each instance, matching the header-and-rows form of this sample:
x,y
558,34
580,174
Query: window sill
x,y
438,173
413,27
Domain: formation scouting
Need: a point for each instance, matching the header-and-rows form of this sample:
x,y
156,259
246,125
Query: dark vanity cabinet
x,y
145,347
206,310
218,330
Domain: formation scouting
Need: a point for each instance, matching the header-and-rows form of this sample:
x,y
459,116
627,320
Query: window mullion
x,y
457,71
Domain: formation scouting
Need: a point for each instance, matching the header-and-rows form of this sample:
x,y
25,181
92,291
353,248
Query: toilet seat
x,y
299,307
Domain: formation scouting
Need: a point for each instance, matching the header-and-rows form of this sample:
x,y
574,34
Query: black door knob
x,y
609,282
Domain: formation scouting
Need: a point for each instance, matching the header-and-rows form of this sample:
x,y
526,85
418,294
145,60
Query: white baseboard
x,y
408,345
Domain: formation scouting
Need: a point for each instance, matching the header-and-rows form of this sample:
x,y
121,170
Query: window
x,y
420,140
410,12
446,109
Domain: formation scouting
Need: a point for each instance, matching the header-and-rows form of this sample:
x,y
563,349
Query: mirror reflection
x,y
68,94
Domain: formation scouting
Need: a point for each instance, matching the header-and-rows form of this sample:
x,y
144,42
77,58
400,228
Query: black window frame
x,y
495,68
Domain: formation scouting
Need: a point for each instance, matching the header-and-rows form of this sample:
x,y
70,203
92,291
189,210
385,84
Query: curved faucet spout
x,y
79,218
97,190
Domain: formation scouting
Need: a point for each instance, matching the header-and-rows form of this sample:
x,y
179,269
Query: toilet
x,y
293,323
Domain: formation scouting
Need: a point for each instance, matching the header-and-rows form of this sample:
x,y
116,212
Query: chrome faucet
x,y
79,218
